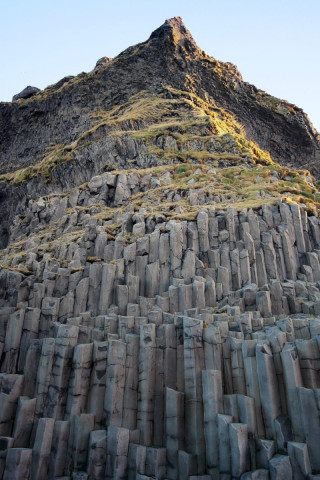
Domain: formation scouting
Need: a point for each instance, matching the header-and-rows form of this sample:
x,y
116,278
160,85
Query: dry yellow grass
x,y
146,116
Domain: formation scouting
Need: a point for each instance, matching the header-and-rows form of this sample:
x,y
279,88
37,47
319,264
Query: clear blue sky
x,y
274,43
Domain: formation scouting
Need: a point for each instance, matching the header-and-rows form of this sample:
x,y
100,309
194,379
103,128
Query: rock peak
x,y
174,31
175,22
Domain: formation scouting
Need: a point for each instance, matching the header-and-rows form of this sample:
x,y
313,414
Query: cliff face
x,y
159,275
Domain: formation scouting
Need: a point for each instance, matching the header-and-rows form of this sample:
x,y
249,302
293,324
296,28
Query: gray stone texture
x,y
189,351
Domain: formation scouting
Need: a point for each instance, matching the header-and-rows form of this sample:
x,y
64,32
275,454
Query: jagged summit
x,y
171,38
175,32
172,27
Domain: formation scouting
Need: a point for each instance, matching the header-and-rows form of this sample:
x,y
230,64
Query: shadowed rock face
x,y
159,275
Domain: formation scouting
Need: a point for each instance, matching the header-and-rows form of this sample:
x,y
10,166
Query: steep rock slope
x,y
159,276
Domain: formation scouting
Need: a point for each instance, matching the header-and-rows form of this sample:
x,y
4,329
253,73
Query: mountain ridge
x,y
169,65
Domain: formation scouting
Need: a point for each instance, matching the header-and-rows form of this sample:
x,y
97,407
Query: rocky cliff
x,y
160,275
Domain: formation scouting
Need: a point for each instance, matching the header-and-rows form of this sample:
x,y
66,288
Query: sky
x,y
275,43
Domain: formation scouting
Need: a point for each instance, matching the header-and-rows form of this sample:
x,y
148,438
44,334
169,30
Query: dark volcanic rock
x,y
62,82
102,61
26,93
